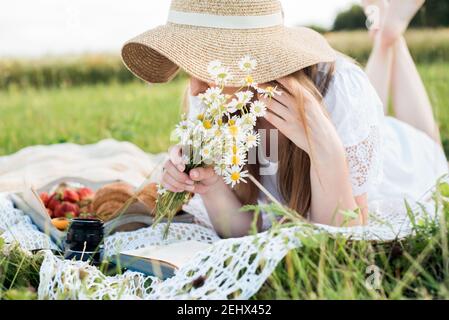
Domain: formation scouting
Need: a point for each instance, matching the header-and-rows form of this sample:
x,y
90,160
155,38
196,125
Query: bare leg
x,y
380,63
398,17
391,67
379,69
410,100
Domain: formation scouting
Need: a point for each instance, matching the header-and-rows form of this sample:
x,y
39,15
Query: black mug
x,y
84,240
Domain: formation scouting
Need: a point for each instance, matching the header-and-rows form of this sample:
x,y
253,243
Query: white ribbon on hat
x,y
225,22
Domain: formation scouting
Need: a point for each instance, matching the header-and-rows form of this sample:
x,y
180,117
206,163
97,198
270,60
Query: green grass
x,y
330,267
134,112
426,45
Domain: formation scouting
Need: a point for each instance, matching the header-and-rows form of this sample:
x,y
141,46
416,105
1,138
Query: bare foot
x,y
398,17
375,11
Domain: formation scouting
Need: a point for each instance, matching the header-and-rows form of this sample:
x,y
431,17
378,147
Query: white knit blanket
x,y
231,268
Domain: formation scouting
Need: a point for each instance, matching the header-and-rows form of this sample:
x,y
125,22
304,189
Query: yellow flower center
x,y
207,124
234,149
200,117
231,122
233,130
235,176
235,160
249,80
220,122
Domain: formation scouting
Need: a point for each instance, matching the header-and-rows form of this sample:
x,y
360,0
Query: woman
x,y
337,150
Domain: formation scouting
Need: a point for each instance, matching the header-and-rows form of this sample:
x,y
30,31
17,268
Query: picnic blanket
x,y
230,268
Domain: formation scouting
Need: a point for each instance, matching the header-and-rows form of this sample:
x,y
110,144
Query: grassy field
x,y
133,111
88,99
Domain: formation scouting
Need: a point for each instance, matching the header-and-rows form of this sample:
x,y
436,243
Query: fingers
x,y
174,185
207,176
175,155
175,180
275,120
277,108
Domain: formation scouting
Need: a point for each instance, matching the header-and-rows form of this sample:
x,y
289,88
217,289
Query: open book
x,y
161,261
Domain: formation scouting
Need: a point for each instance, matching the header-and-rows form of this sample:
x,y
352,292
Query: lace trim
x,y
365,162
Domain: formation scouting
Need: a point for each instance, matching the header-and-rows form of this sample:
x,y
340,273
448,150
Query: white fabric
x,y
225,22
105,160
231,268
357,113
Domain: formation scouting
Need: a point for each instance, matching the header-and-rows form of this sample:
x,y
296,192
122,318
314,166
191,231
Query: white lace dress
x,y
388,159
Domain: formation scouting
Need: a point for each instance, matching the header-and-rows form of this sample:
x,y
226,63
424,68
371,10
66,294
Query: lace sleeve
x,y
357,114
364,162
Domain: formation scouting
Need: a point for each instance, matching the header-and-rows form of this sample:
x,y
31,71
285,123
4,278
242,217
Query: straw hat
x,y
201,31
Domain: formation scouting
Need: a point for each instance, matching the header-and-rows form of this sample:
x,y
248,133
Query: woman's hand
x,y
199,180
285,115
329,173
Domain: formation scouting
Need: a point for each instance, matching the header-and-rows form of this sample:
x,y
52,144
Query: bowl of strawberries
x,y
67,201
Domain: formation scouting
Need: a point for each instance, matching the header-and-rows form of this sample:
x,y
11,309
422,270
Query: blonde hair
x,y
294,188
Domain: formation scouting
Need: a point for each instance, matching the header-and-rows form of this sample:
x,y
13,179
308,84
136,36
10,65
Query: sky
x,y
32,28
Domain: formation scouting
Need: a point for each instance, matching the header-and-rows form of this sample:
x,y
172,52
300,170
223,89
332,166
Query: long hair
x,y
294,163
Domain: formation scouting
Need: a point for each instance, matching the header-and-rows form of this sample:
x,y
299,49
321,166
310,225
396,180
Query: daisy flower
x,y
249,82
181,128
161,190
235,175
269,92
214,67
211,95
223,76
235,158
206,152
252,139
248,120
234,105
244,97
246,64
258,109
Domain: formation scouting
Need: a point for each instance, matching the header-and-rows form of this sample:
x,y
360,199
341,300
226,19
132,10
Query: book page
x,y
176,254
34,201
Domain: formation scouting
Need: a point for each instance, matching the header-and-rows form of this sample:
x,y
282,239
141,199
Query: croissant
x,y
111,198
148,195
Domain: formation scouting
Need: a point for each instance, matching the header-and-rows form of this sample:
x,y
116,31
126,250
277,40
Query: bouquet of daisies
x,y
222,133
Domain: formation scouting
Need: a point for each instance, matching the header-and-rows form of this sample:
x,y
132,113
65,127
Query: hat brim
x,y
155,56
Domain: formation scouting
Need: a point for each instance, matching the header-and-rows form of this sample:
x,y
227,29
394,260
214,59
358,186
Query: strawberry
x,y
85,194
66,208
53,201
70,196
44,197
